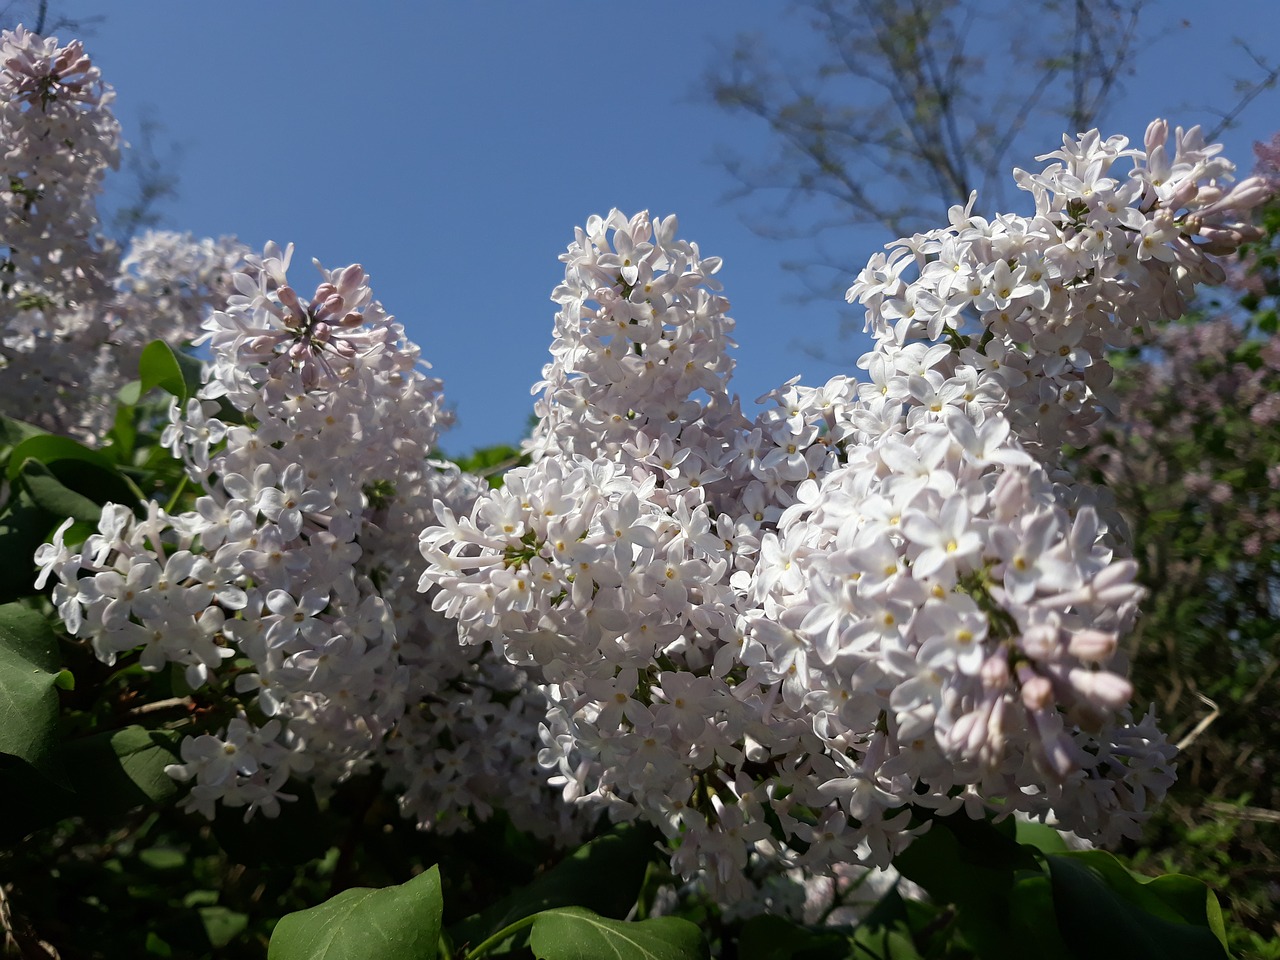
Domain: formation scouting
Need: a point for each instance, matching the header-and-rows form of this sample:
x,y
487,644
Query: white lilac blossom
x,y
74,316
777,639
282,585
60,138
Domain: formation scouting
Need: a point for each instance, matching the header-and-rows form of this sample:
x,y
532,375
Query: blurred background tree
x,y
1193,457
903,109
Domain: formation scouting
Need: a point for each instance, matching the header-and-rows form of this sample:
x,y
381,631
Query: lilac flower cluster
x,y
74,315
282,583
776,638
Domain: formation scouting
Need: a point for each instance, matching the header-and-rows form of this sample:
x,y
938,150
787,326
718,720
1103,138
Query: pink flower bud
x,y
350,278
995,673
1092,646
1040,642
1156,135
1187,191
334,303
1037,693
1246,195
1102,688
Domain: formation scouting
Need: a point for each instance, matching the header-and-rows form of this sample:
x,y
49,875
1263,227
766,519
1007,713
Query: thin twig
x,y
156,706
1200,727
1257,814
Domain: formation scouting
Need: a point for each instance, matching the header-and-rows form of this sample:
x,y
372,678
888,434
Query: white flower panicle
x,y
282,583
1032,303
60,137
776,639
167,286
73,316
641,334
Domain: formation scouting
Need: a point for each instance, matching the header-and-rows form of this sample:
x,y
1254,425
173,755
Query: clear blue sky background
x,y
451,148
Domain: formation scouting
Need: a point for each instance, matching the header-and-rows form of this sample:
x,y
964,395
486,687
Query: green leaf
x,y
1168,918
158,367
107,774
48,448
1040,836
121,769
972,864
129,394
882,943
571,933
622,855
13,432
29,667
773,938
23,528
222,924
394,923
162,858
49,494
1032,918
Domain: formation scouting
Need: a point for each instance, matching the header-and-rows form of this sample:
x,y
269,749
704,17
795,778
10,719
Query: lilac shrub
x,y
779,636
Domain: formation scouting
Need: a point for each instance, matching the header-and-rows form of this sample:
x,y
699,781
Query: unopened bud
x,y
1040,642
995,673
289,297
1037,693
1105,689
1092,646
1156,135
1246,195
350,278
756,752
334,303
1187,191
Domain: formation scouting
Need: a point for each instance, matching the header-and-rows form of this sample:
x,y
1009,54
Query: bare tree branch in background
x,y
903,107
37,18
1248,91
154,179
909,105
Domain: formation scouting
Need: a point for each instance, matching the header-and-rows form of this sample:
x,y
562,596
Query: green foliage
x,y
396,923
1171,916
492,462
572,933
29,668
622,855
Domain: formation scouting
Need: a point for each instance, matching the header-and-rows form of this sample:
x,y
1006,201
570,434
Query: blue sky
x,y
451,148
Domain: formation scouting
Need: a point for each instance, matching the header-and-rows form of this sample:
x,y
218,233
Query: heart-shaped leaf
x,y
394,923
29,667
571,933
